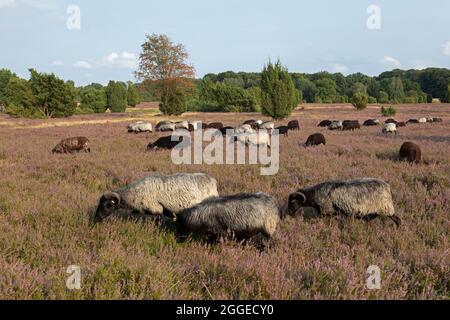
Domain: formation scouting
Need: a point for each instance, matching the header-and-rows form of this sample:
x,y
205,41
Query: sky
x,y
96,41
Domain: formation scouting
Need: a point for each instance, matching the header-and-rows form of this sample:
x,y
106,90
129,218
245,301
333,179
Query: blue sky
x,y
308,36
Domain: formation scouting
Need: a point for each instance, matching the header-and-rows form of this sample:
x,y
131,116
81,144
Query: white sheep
x,y
158,195
140,126
335,125
390,128
254,138
423,120
268,125
182,125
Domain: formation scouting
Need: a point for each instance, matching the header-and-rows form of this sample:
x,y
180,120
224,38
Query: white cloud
x,y
337,67
83,65
7,3
446,49
421,64
391,62
123,60
57,63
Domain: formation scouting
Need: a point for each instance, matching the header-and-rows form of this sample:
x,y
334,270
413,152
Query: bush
x,y
176,103
279,96
388,112
93,99
116,96
133,98
372,100
360,100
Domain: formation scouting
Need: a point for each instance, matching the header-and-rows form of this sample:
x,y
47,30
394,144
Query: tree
x,y
360,100
279,96
397,92
177,103
165,63
132,95
388,112
54,97
5,76
359,87
326,91
19,99
116,96
93,99
383,97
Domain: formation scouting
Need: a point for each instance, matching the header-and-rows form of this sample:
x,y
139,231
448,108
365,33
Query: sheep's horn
x,y
112,195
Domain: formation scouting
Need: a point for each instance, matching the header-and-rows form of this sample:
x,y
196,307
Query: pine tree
x,y
132,95
116,96
279,96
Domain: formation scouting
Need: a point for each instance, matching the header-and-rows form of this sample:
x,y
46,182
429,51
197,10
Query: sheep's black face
x,y
296,201
108,203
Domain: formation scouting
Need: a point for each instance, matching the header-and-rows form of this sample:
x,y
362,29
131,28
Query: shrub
x,y
372,100
93,99
176,103
133,98
116,96
360,100
388,112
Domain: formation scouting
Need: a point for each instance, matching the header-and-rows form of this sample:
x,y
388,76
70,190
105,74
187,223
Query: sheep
x,y
246,128
226,130
350,125
391,121
182,125
255,138
194,125
243,216
284,130
215,125
437,119
268,125
167,143
365,198
335,125
401,124
164,126
315,140
371,122
72,144
412,121
158,195
411,152
325,123
294,125
389,128
140,126
259,122
430,119
422,120
250,122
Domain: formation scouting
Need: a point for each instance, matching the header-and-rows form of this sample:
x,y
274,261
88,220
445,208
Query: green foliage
x,y
372,100
388,112
133,98
53,96
396,90
176,103
5,76
326,91
92,100
383,97
19,99
279,96
360,100
116,96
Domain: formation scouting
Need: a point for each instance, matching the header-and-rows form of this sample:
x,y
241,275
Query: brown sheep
x,y
370,122
71,145
215,125
325,123
411,152
401,124
165,143
315,140
391,121
412,121
350,125
284,130
294,125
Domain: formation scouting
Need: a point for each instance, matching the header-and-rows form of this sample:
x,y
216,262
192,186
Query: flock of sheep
x,y
193,205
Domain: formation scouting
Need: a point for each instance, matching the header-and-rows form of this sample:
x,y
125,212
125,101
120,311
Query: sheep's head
x,y
296,201
108,203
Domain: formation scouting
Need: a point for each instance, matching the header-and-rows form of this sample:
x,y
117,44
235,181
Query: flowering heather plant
x,y
46,202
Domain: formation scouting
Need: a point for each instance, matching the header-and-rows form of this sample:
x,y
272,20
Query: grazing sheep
x,y
325,123
422,120
362,198
250,122
71,145
411,152
165,126
246,128
166,143
430,119
391,121
268,125
158,195
350,125
335,125
412,121
194,125
315,140
182,125
255,138
294,125
401,124
242,215
284,130
437,119
371,122
389,128
226,130
215,125
140,126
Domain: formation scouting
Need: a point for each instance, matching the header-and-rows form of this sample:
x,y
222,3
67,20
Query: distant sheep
x,y
245,128
335,125
194,125
157,195
411,152
71,145
371,122
254,138
422,120
182,125
243,216
315,140
390,128
165,126
437,119
226,130
412,121
215,125
250,122
325,123
401,124
350,125
166,143
293,125
268,125
140,126
391,121
284,130
362,198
